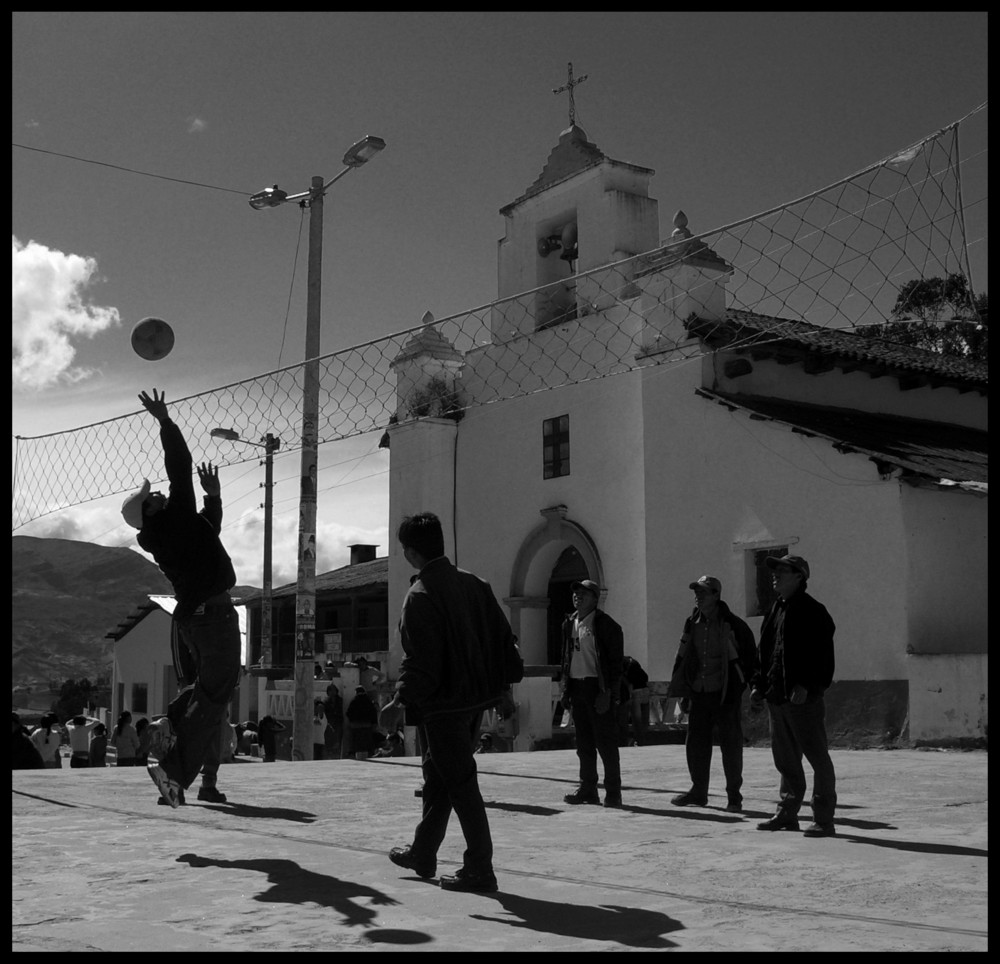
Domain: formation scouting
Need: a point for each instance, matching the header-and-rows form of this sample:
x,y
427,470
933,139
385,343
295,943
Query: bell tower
x,y
584,210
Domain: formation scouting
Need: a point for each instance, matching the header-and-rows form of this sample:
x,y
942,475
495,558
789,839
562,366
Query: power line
x,y
131,170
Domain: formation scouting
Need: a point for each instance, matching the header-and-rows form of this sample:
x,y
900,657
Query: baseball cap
x,y
132,506
793,562
707,582
588,585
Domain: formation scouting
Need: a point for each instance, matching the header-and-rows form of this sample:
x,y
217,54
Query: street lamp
x,y
305,590
270,445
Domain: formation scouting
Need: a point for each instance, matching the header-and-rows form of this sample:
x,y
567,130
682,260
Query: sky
x,y
736,113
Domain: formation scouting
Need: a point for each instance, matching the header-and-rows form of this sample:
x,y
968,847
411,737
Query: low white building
x,y
732,437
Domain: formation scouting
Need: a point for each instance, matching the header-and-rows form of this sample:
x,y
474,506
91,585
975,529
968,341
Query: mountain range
x,y
66,596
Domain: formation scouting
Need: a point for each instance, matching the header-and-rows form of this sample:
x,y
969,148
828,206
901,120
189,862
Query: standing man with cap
x,y
715,661
796,669
593,653
186,546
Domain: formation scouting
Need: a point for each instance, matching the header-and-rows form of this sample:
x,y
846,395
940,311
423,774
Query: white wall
x,y
949,697
946,569
720,484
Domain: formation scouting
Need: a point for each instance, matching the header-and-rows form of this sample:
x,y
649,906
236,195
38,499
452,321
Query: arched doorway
x,y
540,580
569,568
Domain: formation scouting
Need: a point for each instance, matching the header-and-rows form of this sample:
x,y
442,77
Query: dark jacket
x,y
185,542
802,630
741,658
454,636
610,643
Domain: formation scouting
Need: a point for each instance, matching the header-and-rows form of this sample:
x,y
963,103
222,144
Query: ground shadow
x,y
914,846
271,813
628,926
293,884
684,813
523,808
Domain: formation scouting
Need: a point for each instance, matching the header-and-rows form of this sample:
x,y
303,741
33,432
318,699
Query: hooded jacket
x,y
454,636
185,542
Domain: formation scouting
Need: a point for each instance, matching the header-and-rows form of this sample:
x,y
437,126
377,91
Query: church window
x,y
555,447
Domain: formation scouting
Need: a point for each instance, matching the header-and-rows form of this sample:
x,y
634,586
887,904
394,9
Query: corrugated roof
x,y
943,454
819,348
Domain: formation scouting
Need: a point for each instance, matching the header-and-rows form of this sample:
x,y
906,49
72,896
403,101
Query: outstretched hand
x,y
156,406
208,475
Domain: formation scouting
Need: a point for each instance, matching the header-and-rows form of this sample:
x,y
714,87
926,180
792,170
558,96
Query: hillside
x,y
65,597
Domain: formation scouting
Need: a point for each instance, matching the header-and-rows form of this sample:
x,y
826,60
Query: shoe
x,y
582,796
471,883
613,801
211,794
734,806
780,821
161,738
170,790
404,857
163,803
820,830
689,800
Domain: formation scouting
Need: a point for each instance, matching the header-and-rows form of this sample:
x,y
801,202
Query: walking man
x,y
456,643
593,654
186,546
796,669
715,661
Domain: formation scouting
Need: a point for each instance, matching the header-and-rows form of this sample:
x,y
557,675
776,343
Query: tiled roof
x,y
362,575
766,336
573,154
929,450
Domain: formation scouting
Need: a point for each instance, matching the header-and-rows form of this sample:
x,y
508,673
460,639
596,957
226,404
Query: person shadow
x,y
628,926
293,884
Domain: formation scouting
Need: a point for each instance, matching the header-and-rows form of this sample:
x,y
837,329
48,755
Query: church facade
x,y
634,430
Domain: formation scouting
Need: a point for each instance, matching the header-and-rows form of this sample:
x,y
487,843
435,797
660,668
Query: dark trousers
x,y
596,733
708,712
798,731
451,782
201,709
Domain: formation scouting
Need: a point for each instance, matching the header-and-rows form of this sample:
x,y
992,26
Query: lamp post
x,y
270,444
305,590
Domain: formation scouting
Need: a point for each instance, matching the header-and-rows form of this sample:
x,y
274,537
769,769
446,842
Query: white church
x,y
728,436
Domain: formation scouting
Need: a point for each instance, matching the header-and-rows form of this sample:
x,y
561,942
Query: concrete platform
x,y
296,861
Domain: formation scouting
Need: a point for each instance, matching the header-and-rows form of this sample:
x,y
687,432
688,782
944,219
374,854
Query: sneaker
x,y
211,794
582,796
163,803
780,821
161,738
170,790
404,857
820,830
734,806
689,799
613,801
471,883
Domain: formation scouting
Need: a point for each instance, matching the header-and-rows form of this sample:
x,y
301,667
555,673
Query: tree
x,y
940,315
75,695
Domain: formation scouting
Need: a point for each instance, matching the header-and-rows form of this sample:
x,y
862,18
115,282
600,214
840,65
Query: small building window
x,y
555,447
761,597
140,698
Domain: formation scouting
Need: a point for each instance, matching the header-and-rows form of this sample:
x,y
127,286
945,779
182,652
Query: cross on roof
x,y
571,83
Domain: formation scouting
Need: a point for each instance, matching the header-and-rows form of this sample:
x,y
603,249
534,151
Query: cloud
x,y
48,314
197,125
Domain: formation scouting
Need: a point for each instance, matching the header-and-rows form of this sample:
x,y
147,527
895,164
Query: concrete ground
x,y
296,861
